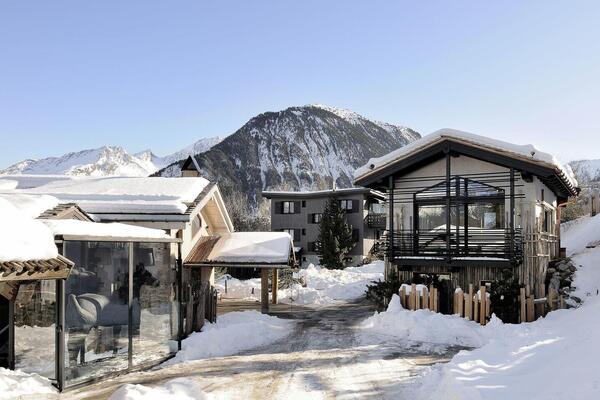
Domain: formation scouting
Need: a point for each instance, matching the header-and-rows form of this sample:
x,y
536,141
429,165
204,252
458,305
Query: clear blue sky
x,y
161,74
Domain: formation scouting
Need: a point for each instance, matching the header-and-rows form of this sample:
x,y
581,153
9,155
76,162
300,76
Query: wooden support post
x,y
417,299
461,302
431,289
469,303
482,306
413,296
476,309
541,307
522,303
425,298
436,306
530,309
403,297
264,290
274,285
562,302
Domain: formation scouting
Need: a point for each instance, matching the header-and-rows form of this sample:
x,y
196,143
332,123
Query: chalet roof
x,y
71,229
54,268
526,158
239,249
273,194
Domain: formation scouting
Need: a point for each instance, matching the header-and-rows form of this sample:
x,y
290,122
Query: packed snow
x,y
126,195
233,332
31,204
253,247
527,151
23,238
321,286
175,389
21,385
71,227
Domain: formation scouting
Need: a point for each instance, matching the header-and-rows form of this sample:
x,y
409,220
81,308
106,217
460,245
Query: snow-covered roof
x,y
526,152
256,248
31,204
75,229
120,195
23,238
320,193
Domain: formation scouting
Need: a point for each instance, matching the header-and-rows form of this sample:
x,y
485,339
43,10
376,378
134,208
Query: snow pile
x,y
423,326
552,358
578,234
32,205
175,389
8,184
22,238
233,332
526,151
323,286
71,227
18,384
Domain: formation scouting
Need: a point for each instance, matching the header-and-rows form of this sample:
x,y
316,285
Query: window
x,y
287,207
303,203
548,222
303,232
316,218
291,232
346,205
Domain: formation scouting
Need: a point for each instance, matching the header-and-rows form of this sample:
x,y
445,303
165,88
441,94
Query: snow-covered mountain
x,y
106,161
307,147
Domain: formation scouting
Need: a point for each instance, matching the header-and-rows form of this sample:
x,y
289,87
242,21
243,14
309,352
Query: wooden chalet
x,y
461,208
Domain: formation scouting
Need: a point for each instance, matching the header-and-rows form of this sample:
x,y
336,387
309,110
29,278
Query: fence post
x,y
530,309
523,316
541,307
425,298
482,305
403,297
413,297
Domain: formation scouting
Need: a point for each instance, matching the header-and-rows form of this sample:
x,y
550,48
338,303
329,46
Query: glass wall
x,y
155,311
34,318
99,316
96,310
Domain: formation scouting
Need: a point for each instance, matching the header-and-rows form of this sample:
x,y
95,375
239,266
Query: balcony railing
x,y
376,220
476,243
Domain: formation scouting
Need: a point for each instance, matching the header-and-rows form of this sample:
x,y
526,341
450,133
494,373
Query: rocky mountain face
x,y
300,148
106,161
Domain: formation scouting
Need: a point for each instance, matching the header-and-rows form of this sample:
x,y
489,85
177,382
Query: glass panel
x,y
35,316
97,311
486,216
432,217
155,307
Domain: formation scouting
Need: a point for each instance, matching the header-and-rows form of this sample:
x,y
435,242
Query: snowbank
x,y
23,238
323,286
552,358
18,384
422,326
233,332
176,389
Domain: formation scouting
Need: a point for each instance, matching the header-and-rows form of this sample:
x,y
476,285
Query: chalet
x,y
461,208
128,281
299,214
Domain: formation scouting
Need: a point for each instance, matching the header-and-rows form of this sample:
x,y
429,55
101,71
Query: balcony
x,y
476,246
376,220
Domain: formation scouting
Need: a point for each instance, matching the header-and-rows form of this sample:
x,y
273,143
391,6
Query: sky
x,y
162,74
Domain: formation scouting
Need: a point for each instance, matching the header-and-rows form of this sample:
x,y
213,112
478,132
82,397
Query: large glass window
x,y
154,299
35,313
96,310
486,215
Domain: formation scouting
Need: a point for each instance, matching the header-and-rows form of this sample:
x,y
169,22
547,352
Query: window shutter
x,y
297,235
354,206
297,207
278,207
310,218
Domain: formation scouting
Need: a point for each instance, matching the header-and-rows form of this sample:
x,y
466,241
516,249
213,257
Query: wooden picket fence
x,y
419,297
471,305
532,308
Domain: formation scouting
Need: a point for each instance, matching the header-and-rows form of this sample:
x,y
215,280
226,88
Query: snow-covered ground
x,y
551,358
21,385
233,332
175,389
323,286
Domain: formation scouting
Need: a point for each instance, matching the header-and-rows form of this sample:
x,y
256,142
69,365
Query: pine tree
x,y
335,235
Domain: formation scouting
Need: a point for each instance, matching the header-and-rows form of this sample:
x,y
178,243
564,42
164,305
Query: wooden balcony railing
x,y
475,243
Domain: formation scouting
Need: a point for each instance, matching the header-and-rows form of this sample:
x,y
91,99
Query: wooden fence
x,y
419,297
472,305
532,308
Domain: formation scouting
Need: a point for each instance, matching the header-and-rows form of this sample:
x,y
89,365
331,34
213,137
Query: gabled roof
x,y
525,158
65,211
190,164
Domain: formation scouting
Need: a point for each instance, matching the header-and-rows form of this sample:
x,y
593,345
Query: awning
x,y
243,249
55,268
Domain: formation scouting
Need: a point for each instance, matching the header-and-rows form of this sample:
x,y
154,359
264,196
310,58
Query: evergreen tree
x,y
335,235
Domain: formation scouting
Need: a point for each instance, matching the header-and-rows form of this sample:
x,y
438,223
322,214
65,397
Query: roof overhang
x,y
55,268
92,238
322,193
549,174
